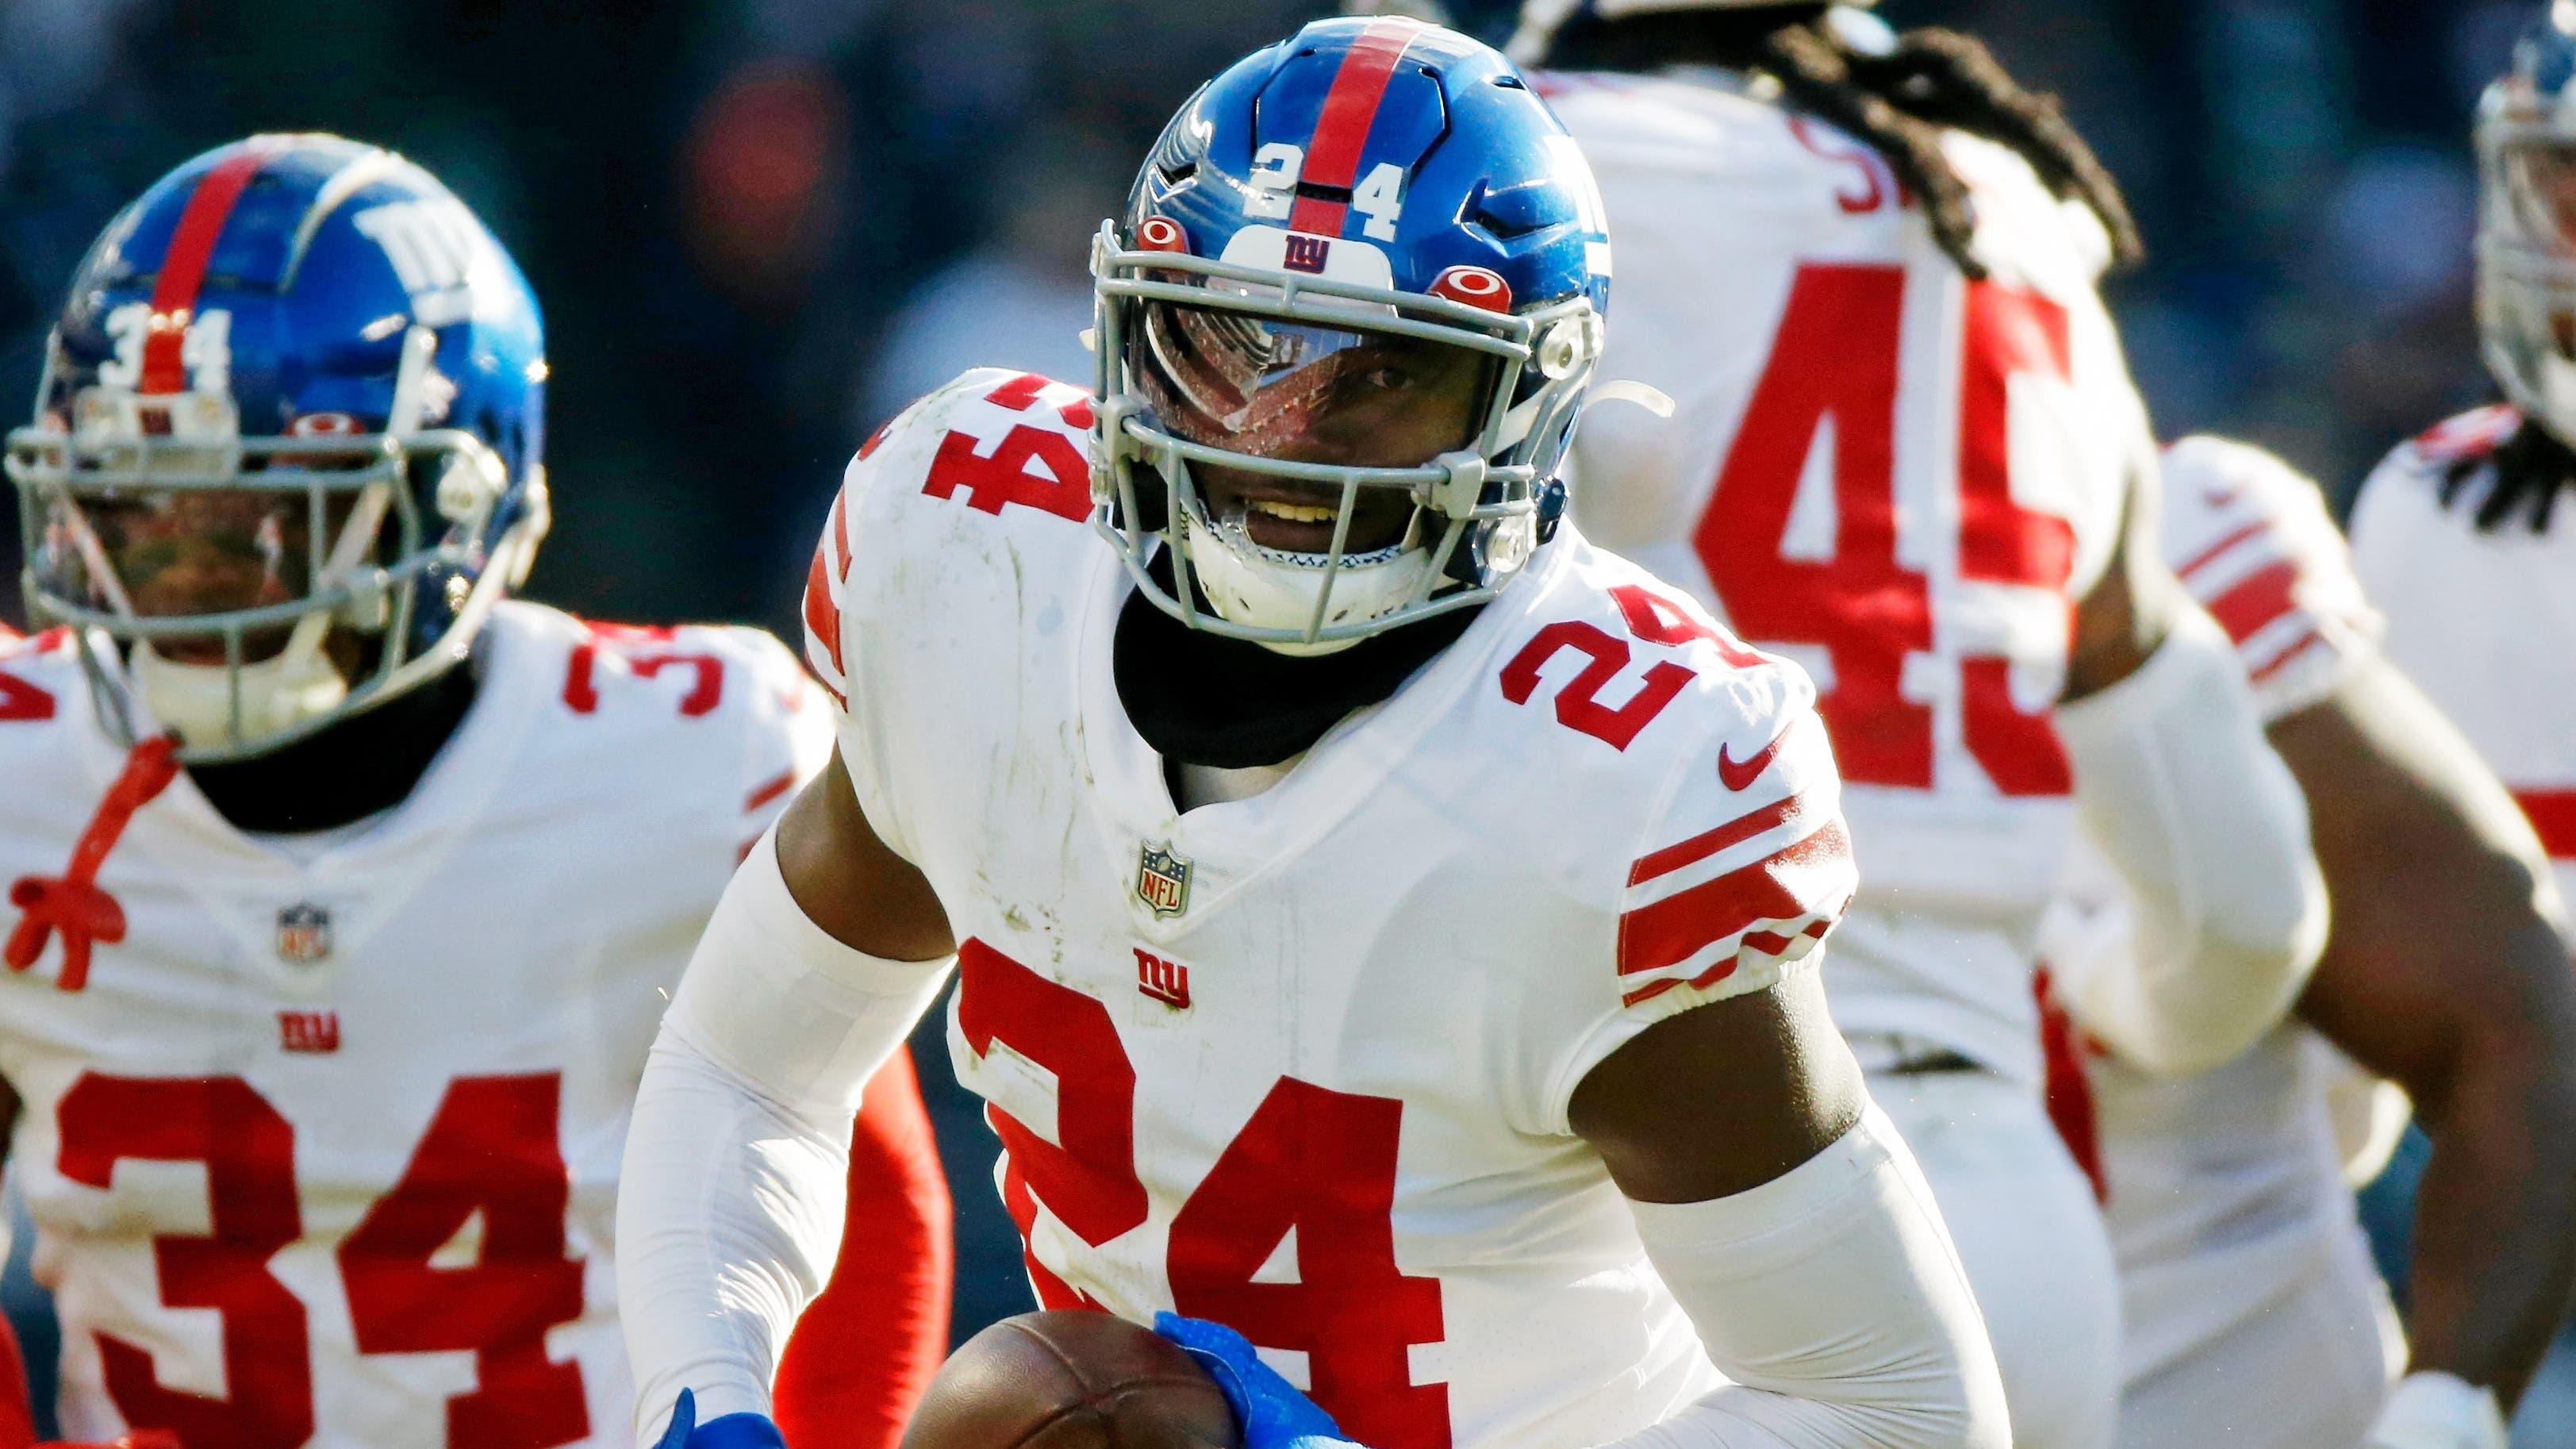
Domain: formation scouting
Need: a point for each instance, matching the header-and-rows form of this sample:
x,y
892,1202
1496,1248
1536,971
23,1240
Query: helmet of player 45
x,y
287,448
1345,329
2527,224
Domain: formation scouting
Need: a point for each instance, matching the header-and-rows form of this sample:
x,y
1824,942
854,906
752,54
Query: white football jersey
x,y
2484,622
1901,479
1301,1062
323,1152
2225,1189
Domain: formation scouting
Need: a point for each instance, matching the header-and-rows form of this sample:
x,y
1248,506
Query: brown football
x,y
1070,1381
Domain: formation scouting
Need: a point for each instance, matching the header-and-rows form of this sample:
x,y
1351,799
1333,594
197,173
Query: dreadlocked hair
x,y
2531,470
1898,102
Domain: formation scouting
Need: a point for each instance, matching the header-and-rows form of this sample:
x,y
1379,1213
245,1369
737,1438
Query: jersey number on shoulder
x,y
1311,1162
492,1149
1653,617
1061,484
647,651
1853,593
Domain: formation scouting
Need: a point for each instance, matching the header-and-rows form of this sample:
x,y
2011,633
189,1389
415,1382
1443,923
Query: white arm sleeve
x,y
731,1197
2176,784
1834,1300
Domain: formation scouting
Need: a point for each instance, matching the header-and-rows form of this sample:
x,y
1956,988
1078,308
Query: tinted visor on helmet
x,y
1273,388
1289,391
2539,178
152,517
190,553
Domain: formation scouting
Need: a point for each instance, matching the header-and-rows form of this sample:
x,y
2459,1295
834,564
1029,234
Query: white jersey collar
x,y
1236,842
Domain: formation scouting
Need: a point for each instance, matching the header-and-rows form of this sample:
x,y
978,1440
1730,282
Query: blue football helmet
x,y
2527,224
287,450
1345,330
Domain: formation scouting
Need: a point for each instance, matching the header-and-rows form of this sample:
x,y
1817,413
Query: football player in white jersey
x,y
346,891
2466,543
1908,454
2464,535
2242,1268
1386,925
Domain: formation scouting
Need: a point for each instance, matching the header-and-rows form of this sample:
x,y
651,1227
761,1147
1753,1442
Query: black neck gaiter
x,y
364,764
1202,699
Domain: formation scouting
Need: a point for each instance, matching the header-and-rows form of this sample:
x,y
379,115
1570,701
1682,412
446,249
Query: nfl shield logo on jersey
x,y
1163,880
303,934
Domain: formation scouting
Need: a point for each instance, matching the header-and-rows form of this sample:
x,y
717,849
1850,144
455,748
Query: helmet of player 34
x,y
287,450
1346,325
2526,134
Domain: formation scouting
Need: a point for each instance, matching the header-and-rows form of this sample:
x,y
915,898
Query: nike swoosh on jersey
x,y
1741,777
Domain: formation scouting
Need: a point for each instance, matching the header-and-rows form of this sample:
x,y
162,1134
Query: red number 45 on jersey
x,y
1868,604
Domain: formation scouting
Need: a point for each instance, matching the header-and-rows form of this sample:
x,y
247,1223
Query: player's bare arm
x,y
1723,1099
2125,617
848,883
2446,974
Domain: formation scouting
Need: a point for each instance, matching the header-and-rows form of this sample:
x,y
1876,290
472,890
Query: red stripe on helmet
x,y
183,264
1318,218
1350,109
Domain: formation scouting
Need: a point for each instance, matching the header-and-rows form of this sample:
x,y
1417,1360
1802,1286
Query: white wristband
x,y
1834,1303
2435,1410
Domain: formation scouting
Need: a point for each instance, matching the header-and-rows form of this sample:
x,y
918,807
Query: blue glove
x,y
733,1431
1270,1411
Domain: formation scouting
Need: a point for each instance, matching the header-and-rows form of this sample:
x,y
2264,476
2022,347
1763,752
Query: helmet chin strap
x,y
195,701
1245,588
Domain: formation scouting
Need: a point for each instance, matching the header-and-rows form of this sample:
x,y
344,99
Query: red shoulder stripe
x,y
1778,887
1700,847
822,611
1767,942
2470,435
2211,554
2256,600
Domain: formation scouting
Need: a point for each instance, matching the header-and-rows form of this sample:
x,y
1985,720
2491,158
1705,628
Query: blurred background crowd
x,y
759,227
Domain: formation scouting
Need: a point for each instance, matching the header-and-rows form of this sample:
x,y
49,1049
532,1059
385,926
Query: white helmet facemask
x,y
219,565
1277,552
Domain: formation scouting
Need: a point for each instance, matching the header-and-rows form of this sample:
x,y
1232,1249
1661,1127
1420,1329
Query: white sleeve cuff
x,y
2177,785
1833,1299
2439,1411
781,1004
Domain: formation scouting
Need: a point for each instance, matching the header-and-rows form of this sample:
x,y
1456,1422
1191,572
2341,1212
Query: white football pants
x,y
2031,1236
2306,1370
